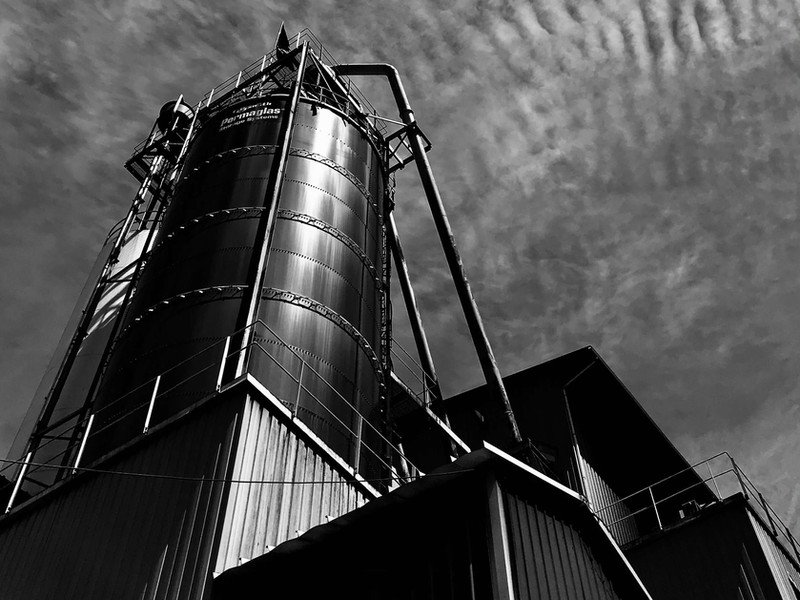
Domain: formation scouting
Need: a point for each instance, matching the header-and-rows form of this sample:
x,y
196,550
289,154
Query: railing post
x,y
713,480
238,80
152,403
299,388
263,63
222,363
18,483
739,477
83,444
655,508
357,461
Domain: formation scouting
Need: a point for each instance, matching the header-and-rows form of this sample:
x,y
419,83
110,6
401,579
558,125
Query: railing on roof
x,y
354,104
60,456
725,477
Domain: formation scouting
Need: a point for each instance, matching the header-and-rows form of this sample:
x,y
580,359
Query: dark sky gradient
x,y
618,173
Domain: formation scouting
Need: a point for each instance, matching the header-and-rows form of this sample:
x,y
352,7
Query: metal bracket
x,y
401,153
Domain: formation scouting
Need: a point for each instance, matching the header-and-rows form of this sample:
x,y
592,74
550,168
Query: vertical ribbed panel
x,y
550,560
617,517
118,535
296,489
783,570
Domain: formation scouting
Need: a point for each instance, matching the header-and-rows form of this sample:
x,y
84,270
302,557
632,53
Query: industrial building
x,y
227,416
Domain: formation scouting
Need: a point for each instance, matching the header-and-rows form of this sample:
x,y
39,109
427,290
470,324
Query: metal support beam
x,y
18,483
268,218
468,305
420,339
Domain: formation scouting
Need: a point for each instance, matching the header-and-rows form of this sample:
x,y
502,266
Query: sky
x,y
618,173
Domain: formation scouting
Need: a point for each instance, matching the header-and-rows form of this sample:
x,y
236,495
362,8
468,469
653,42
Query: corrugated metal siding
x,y
617,518
121,536
783,570
550,559
261,516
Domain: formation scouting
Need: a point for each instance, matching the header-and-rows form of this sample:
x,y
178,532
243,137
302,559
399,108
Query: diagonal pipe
x,y
468,305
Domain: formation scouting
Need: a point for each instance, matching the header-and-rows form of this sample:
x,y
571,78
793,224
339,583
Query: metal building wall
x,y
616,515
105,535
550,558
306,492
783,569
430,546
481,528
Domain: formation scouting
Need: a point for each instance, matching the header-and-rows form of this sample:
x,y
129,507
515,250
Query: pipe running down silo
x,y
474,322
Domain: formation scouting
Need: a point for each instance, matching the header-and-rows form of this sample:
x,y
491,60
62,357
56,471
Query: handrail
x,y
69,428
745,485
321,378
660,481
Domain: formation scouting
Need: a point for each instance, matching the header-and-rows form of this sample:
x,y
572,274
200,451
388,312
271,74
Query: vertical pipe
x,y
474,323
268,219
469,306
420,339
18,483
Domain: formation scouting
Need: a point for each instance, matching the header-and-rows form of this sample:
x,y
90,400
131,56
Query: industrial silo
x,y
282,189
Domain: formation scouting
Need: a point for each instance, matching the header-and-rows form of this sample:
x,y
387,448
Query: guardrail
x,y
411,373
61,453
658,506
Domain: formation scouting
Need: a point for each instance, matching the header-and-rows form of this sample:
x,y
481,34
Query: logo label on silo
x,y
263,111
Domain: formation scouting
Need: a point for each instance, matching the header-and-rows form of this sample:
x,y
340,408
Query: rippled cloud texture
x,y
618,173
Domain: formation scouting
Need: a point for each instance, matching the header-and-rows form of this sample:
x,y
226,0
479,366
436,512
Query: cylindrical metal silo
x,y
320,308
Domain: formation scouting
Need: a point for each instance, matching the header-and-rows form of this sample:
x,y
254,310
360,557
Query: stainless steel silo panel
x,y
323,275
235,182
215,251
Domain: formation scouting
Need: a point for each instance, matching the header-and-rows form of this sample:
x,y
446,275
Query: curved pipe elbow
x,y
384,70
